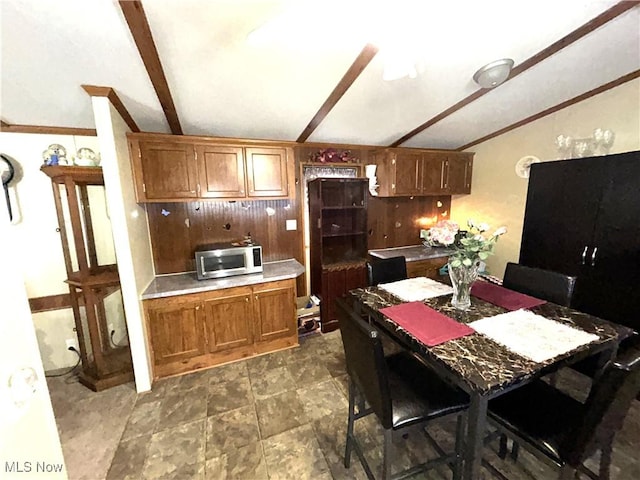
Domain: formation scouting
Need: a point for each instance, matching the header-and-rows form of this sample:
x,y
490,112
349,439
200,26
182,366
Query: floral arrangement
x,y
332,155
469,246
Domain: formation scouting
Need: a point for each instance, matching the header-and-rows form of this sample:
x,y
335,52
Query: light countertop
x,y
185,283
412,252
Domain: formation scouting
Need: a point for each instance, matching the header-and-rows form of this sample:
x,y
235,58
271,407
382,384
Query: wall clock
x,y
524,165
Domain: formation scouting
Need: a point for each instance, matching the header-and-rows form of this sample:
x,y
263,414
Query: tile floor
x,y
278,416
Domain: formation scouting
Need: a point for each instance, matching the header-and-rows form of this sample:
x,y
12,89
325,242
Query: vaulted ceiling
x,y
311,70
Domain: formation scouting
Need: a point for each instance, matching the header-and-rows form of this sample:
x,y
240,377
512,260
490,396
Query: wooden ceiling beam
x,y
110,93
360,63
608,15
602,88
141,32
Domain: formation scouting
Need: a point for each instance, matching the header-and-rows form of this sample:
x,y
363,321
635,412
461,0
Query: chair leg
x,y
386,454
460,432
502,452
515,448
352,405
605,459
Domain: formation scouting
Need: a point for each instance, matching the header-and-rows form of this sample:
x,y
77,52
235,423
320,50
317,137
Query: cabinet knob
x,y
246,299
198,307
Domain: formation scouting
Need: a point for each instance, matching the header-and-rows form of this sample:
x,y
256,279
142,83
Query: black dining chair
x,y
386,270
400,390
564,431
544,284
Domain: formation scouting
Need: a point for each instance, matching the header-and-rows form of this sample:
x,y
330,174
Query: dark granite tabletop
x,y
478,363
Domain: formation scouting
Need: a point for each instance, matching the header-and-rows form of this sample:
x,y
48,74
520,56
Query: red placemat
x,y
424,323
503,297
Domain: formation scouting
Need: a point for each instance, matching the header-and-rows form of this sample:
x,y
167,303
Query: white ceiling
x,y
271,87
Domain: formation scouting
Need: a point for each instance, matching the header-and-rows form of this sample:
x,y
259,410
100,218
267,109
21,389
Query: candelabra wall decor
x,y
599,143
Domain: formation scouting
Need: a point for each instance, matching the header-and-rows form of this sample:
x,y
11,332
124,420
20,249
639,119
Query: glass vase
x,y
462,277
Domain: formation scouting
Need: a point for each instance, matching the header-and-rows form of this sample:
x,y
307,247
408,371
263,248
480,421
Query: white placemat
x,y
532,336
416,289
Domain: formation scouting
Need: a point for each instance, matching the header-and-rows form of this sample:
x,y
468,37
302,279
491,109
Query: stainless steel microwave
x,y
226,259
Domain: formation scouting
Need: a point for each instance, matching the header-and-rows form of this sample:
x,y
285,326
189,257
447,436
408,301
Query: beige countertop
x,y
185,283
412,252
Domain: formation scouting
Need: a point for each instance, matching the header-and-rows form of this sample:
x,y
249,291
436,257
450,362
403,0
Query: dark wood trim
x,y
602,88
590,26
364,58
4,124
86,132
141,32
110,93
50,302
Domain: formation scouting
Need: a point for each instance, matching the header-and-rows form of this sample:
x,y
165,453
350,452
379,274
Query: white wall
x,y
130,230
28,432
498,196
39,247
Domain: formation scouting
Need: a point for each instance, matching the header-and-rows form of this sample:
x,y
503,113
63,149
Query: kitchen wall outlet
x,y
292,224
72,342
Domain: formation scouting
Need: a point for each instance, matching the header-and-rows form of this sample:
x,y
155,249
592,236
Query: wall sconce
x,y
600,141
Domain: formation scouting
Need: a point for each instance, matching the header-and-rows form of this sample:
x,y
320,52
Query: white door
x,y
29,442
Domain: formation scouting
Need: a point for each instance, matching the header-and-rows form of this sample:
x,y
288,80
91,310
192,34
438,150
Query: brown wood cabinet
x,y
200,330
338,240
425,268
336,282
411,172
177,168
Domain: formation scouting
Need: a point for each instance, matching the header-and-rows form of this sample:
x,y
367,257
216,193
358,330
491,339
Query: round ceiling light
x,y
494,73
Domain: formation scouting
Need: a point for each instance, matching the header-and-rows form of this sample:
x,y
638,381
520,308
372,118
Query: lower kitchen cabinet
x,y
426,268
194,331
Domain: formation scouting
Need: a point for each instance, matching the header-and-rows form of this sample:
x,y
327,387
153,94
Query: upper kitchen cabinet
x,y
174,168
168,171
267,173
410,172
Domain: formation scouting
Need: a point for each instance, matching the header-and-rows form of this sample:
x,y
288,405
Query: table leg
x,y
477,422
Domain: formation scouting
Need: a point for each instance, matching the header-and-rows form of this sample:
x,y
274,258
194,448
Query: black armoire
x,y
582,218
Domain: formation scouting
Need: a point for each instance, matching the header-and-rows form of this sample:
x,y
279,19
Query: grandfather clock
x,y
94,283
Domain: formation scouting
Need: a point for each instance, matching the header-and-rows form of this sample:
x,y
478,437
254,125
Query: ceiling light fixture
x,y
494,73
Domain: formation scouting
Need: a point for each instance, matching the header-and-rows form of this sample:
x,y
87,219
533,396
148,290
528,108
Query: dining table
x,y
478,364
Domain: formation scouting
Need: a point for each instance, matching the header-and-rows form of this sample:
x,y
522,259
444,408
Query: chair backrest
x,y
544,284
609,401
365,361
386,270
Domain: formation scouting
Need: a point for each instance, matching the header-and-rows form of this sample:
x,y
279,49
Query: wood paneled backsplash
x,y
177,229
396,222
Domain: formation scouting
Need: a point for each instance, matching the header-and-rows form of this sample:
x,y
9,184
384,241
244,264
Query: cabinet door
x,y
425,268
560,216
168,171
408,172
610,285
459,174
221,171
267,174
176,329
434,175
228,320
274,310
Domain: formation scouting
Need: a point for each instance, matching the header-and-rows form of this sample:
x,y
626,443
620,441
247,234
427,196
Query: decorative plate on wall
x,y
524,165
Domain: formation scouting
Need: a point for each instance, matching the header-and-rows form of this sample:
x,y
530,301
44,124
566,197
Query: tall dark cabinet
x,y
338,234
583,218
